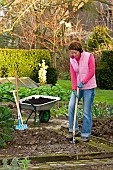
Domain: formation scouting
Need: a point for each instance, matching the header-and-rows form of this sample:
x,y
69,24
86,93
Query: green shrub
x,y
99,39
104,71
52,76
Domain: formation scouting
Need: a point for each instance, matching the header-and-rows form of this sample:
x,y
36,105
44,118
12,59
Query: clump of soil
x,y
40,100
103,128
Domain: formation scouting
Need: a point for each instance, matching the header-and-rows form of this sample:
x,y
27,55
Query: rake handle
x,y
16,82
17,98
17,105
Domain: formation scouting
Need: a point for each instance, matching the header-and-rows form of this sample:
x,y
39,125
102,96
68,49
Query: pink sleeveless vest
x,y
82,70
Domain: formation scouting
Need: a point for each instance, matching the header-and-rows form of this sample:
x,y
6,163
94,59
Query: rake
x,y
20,125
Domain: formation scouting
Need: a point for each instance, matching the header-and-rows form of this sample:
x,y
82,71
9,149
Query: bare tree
x,y
17,9
48,24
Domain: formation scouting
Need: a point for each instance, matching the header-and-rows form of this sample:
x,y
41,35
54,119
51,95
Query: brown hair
x,y
76,45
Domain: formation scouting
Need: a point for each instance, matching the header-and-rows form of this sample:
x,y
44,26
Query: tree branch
x,y
105,2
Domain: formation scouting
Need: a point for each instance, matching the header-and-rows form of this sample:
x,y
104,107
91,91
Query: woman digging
x,y
82,71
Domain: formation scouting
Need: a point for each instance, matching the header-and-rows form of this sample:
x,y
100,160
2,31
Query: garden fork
x,y
75,114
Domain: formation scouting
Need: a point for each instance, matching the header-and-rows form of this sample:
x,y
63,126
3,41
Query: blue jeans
x,y
88,97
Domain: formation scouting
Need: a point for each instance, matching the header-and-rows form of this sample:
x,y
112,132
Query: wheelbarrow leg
x,y
34,110
29,116
35,117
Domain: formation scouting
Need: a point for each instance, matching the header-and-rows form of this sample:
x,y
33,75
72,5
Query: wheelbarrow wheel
x,y
44,116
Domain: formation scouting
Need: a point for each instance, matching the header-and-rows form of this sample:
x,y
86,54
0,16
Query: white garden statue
x,y
42,73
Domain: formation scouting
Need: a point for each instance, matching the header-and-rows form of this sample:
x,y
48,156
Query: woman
x,y
82,70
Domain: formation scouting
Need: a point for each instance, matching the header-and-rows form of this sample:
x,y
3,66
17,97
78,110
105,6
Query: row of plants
x,y
57,90
98,110
60,108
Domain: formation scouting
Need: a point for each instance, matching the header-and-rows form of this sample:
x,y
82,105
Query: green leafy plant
x,y
60,109
52,76
5,91
6,125
24,163
16,164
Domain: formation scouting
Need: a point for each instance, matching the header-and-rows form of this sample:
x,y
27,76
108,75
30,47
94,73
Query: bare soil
x,y
44,138
103,128
50,138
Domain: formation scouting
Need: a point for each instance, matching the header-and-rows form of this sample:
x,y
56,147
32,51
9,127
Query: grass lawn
x,y
101,95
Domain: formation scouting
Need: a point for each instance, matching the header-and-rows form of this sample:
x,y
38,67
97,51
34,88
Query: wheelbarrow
x,y
30,103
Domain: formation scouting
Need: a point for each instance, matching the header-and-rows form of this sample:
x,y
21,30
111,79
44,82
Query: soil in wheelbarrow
x,y
40,100
50,138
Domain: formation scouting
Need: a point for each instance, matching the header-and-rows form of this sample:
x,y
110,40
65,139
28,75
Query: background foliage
x,y
99,39
104,71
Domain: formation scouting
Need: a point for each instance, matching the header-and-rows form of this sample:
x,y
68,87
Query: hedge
x,y
25,62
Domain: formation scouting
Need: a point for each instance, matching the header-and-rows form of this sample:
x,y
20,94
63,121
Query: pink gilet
x,y
82,70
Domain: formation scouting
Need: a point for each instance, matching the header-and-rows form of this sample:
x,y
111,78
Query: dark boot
x,y
84,139
77,134
70,137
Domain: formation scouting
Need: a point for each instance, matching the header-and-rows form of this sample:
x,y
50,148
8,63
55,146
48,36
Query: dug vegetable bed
x,y
46,142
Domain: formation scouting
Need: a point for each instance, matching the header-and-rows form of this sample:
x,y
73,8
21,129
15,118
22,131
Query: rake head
x,y
21,126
